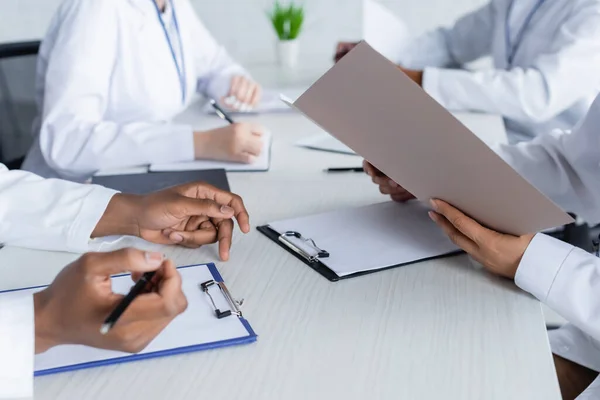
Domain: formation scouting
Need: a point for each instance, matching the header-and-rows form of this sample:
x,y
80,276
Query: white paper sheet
x,y
142,169
270,103
371,237
197,325
384,31
480,124
262,163
324,142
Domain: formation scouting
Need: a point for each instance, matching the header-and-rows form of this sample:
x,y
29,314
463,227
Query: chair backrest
x,y
17,99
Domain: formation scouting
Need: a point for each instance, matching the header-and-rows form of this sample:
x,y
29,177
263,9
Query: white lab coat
x,y
107,86
566,167
44,214
567,280
554,77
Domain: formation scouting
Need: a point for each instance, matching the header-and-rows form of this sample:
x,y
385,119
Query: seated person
x,y
111,76
564,166
545,55
59,215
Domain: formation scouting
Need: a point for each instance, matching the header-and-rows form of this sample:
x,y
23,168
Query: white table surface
x,y
440,329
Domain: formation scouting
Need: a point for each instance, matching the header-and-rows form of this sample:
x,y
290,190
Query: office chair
x,y
17,100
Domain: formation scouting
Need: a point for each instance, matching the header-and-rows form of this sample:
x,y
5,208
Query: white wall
x,y
242,26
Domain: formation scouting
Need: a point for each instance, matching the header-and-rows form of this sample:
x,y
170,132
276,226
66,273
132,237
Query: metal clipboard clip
x,y
318,252
233,304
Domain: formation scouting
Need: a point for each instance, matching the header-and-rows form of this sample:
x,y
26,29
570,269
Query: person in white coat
x,y
51,214
111,76
545,54
564,166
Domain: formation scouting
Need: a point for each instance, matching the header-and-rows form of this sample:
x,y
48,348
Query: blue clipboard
x,y
251,337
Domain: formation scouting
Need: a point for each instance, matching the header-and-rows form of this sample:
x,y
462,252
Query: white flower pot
x,y
287,53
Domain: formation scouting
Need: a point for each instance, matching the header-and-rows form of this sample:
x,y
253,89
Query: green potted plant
x,y
287,21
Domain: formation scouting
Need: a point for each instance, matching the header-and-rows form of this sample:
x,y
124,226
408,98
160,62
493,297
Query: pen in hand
x,y
220,112
140,287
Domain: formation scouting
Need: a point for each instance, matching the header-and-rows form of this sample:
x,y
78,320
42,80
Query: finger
x,y
234,201
257,130
369,170
246,95
454,234
467,226
122,261
241,93
225,233
235,85
193,239
198,222
253,146
402,198
243,158
203,190
190,207
163,303
256,95
230,100
385,189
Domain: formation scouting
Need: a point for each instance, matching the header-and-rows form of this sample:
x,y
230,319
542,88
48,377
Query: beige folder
x,y
369,104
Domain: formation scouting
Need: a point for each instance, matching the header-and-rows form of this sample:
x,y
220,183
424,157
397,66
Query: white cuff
x,y
541,264
17,338
220,84
87,218
431,84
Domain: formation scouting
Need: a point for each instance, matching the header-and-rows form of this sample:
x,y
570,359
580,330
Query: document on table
x,y
370,238
325,142
366,102
270,103
142,169
489,128
262,162
198,328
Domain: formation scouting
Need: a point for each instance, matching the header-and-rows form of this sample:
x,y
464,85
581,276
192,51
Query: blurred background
x,y
241,26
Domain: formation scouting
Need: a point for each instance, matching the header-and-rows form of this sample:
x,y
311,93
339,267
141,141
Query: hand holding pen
x,y
74,308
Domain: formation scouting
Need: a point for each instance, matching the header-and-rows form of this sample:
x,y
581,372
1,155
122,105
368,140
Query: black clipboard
x,y
327,273
153,181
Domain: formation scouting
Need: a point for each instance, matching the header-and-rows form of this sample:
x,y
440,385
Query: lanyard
x,y
511,49
180,68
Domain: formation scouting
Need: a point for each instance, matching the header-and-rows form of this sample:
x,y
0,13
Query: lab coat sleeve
x,y
214,65
16,346
49,214
75,139
554,82
565,278
564,166
451,47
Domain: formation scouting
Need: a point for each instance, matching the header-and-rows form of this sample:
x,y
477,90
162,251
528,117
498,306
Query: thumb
x,y
191,207
122,261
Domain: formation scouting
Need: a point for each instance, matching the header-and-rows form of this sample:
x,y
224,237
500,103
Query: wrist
x,y
201,140
120,217
45,334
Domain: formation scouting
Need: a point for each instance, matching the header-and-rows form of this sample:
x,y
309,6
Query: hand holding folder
x,y
377,111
